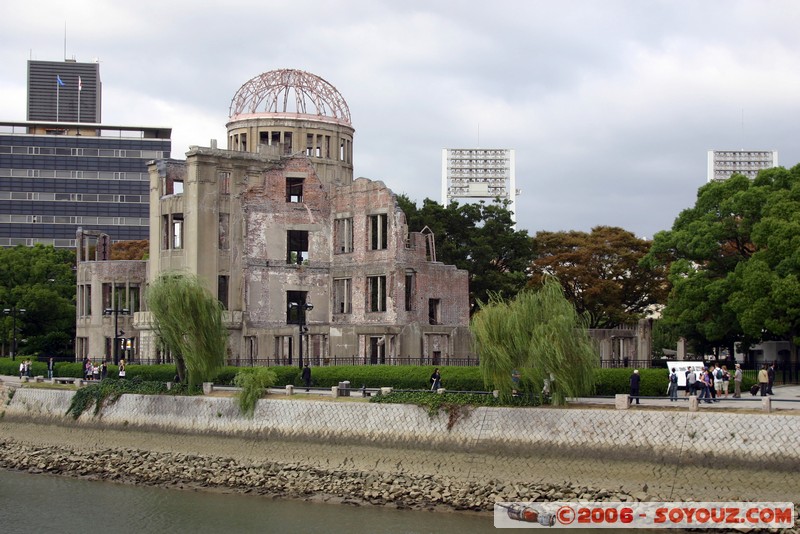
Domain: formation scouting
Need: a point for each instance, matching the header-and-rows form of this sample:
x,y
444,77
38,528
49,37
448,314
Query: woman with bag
x,y
122,368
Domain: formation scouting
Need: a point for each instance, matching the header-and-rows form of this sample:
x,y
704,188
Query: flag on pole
x,y
58,79
80,84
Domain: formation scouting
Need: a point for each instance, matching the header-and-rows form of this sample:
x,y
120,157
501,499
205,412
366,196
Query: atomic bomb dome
x,y
295,112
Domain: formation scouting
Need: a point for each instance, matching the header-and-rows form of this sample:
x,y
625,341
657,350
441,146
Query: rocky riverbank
x,y
290,480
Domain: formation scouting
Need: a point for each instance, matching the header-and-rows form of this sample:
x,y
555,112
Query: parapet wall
x,y
651,435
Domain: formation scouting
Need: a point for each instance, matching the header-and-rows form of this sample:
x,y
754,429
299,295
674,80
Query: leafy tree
x,y
130,250
540,335
733,261
254,383
40,280
479,238
600,273
188,321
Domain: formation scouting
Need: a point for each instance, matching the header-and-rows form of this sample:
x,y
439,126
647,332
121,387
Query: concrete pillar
x,y
334,391
208,388
78,382
622,401
440,391
681,349
289,390
766,404
694,404
169,386
386,391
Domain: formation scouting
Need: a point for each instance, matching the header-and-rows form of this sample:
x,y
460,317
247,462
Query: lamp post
x,y
13,311
302,308
115,312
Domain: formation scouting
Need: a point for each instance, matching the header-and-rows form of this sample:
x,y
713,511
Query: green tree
x,y
540,335
479,238
733,262
40,280
600,273
254,383
188,321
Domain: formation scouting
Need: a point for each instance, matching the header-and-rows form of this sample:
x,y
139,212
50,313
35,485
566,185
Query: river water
x,y
48,503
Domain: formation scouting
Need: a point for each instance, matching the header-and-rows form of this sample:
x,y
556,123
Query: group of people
x,y
25,368
711,384
92,371
766,377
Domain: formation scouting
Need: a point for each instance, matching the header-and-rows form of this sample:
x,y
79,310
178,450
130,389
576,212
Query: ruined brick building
x,y
310,264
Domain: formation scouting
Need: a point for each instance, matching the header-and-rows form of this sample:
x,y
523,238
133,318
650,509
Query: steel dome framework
x,y
278,90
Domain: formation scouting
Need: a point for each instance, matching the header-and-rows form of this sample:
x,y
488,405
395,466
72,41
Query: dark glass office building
x,y
58,173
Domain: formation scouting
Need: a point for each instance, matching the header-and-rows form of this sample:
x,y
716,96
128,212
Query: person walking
x,y
103,370
122,368
691,382
705,387
436,379
51,367
737,382
726,380
770,378
673,386
635,383
306,376
763,380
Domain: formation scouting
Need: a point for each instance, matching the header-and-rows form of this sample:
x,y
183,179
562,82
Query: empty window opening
x,y
287,142
411,279
309,144
376,295
177,231
243,142
284,346
378,227
342,288
377,350
343,235
222,290
294,189
297,247
434,311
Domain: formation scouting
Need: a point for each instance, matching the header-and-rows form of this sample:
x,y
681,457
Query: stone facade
x,y
309,264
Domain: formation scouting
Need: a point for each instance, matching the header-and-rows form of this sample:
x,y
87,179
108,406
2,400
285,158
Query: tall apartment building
x,y
309,264
479,173
724,163
61,169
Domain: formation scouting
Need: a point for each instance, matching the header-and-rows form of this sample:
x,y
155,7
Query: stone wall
x,y
656,436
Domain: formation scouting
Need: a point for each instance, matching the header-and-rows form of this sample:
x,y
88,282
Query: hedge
x,y
607,381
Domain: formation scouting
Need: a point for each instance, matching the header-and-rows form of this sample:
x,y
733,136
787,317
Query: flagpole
x,y
58,90
79,99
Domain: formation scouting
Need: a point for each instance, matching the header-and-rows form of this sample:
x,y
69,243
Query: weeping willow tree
x,y
541,336
188,322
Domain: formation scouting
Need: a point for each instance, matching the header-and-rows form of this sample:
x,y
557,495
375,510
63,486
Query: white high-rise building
x,y
723,163
479,173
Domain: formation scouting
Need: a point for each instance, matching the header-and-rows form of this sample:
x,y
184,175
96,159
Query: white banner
x,y
684,515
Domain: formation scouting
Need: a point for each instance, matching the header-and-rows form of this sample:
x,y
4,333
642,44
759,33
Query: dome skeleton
x,y
270,93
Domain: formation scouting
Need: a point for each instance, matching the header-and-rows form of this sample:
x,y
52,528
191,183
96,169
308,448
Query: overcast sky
x,y
611,106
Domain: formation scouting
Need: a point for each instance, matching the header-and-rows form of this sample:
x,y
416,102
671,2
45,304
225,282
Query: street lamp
x,y
115,312
302,307
13,311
